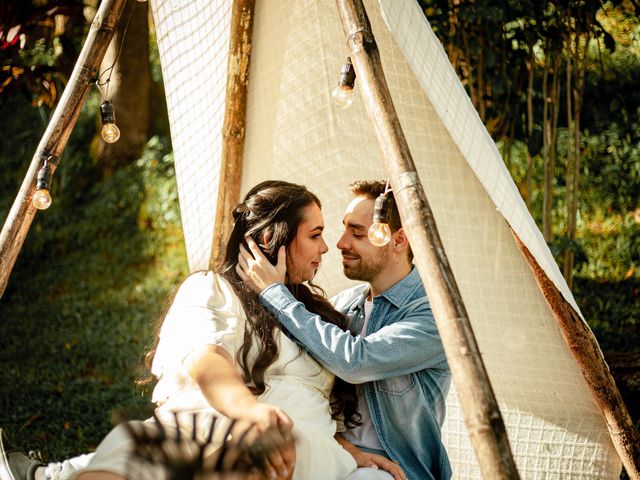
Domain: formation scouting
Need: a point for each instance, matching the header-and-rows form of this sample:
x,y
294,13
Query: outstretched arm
x,y
212,368
403,347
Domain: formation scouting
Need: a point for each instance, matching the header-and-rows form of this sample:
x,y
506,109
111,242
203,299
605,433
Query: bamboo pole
x,y
482,415
233,129
587,354
58,131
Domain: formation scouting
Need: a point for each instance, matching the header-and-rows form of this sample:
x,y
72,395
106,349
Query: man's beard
x,y
367,269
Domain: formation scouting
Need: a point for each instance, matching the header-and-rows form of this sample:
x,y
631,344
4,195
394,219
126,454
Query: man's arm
x,y
389,352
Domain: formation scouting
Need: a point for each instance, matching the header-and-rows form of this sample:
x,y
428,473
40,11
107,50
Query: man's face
x,y
360,259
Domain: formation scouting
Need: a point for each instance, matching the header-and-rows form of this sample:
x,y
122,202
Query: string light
x,y
110,132
342,95
42,196
379,233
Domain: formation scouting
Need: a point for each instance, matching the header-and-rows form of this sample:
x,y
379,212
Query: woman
x,y
219,350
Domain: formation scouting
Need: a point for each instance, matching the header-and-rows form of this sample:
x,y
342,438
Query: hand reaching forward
x,y
270,438
256,270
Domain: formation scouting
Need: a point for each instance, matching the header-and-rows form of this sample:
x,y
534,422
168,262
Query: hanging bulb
x,y
379,233
110,132
342,95
42,197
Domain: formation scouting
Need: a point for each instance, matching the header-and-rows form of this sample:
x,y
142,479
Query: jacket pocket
x,y
396,385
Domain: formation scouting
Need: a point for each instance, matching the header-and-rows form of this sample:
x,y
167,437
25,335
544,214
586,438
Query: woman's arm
x,y
212,368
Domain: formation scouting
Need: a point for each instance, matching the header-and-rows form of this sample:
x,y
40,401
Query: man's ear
x,y
399,241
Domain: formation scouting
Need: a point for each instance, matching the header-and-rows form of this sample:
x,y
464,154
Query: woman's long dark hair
x,y
271,213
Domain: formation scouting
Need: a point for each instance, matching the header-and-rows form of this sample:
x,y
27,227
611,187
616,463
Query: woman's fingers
x,y
284,422
277,462
270,449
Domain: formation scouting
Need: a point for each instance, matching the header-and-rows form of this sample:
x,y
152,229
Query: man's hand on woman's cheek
x,y
256,271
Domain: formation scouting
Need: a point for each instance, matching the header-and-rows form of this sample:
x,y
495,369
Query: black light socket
x,y
43,180
347,75
107,112
382,209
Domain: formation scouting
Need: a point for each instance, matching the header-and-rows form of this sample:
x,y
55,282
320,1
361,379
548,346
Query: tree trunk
x,y
531,67
552,100
546,142
567,269
128,89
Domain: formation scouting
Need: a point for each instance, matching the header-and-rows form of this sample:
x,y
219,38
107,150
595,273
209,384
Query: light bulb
x,y
379,234
41,199
110,133
342,97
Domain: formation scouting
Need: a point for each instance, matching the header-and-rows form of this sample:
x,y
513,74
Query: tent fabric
x,y
293,133
193,41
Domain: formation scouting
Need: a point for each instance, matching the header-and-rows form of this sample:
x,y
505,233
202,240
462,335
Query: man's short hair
x,y
373,189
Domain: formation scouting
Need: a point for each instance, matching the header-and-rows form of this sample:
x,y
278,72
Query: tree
x,y
524,64
35,42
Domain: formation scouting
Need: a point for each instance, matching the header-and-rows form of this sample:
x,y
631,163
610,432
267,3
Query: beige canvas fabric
x,y
293,133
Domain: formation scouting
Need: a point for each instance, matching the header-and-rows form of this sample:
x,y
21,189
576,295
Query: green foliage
x,y
85,293
612,165
612,309
37,39
613,246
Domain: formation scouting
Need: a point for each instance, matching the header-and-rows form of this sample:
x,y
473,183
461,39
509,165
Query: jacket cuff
x,y
276,297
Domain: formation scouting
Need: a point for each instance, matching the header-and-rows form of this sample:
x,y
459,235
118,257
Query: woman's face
x,y
304,253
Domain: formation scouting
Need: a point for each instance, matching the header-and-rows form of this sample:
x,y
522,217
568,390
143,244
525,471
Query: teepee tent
x,y
511,287
292,132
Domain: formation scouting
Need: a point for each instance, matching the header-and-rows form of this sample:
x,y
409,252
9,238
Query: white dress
x,y
206,311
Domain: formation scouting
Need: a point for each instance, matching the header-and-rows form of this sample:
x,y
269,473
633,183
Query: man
x,y
397,360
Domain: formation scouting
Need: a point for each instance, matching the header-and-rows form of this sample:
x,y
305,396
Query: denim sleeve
x,y
405,346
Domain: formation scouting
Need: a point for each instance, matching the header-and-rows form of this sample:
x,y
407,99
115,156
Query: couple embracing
x,y
360,382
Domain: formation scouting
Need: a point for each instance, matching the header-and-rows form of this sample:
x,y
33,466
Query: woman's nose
x,y
324,248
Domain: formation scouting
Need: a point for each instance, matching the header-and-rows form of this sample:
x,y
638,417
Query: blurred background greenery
x,y
96,268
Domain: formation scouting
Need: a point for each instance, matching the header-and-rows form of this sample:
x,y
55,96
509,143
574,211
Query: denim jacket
x,y
399,359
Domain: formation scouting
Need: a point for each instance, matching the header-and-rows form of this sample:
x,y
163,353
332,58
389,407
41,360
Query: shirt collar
x,y
401,291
